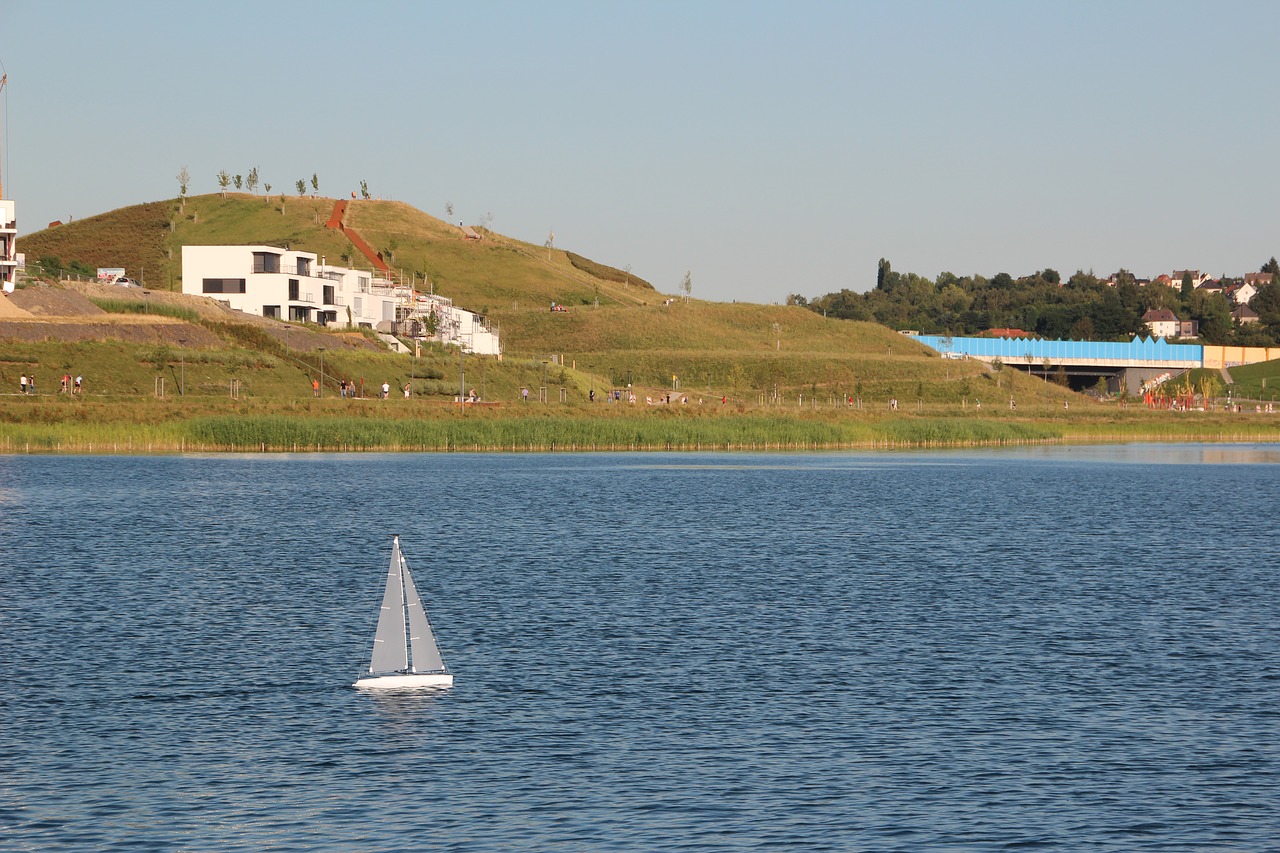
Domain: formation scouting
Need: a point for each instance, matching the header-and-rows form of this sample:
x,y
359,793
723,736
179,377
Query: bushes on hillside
x,y
606,273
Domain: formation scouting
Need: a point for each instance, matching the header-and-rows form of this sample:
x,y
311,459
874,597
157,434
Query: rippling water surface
x,y
1056,649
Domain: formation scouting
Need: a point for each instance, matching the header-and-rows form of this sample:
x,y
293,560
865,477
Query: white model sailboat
x,y
403,659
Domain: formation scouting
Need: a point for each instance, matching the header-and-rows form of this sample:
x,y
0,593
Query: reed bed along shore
x,y
576,432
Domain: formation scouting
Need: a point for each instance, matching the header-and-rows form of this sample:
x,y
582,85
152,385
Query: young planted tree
x,y
184,181
302,187
364,190
686,286
1208,388
266,189
448,209
315,184
252,181
239,179
223,180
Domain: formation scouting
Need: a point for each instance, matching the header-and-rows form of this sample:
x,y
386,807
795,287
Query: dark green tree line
x,y
1081,308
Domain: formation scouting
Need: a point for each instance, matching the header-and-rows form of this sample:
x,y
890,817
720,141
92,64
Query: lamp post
x,y
321,394
182,376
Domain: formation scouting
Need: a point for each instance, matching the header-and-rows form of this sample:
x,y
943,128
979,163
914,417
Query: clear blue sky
x,y
768,148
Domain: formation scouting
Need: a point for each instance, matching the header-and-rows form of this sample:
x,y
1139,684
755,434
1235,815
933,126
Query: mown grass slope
x,y
496,273
617,330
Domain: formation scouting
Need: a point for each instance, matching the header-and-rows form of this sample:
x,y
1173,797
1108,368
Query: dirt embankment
x,y
66,313
9,310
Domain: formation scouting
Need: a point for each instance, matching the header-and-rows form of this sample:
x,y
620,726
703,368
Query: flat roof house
x,y
291,285
288,285
8,245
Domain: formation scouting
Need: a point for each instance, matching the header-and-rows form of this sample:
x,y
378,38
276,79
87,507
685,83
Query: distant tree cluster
x,y
250,181
1081,308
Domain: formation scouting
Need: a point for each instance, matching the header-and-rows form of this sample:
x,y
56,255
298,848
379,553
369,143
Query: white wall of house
x,y
293,285
1244,294
285,283
1163,324
8,245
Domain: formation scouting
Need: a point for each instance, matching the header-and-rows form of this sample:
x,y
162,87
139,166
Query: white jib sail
x,y
426,654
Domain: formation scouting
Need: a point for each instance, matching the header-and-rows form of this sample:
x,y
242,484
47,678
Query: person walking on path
x,y
315,387
22,384
407,389
79,384
386,390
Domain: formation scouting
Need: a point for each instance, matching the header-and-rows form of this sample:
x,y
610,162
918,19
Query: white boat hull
x,y
402,681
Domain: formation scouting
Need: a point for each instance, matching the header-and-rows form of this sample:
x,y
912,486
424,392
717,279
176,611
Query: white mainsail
x,y
400,658
389,651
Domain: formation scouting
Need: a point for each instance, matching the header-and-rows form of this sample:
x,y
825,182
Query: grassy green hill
x,y
617,330
496,273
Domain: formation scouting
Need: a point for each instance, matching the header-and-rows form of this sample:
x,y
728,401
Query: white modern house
x,y
292,285
8,246
286,284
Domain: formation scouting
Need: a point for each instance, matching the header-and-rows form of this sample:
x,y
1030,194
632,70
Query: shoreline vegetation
x,y
88,427
168,372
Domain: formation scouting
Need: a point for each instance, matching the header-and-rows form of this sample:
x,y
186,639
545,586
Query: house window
x,y
299,314
328,294
355,307
271,311
304,266
293,289
266,262
364,284
224,285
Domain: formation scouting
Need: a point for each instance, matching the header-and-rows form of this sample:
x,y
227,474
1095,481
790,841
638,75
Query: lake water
x,y
1064,648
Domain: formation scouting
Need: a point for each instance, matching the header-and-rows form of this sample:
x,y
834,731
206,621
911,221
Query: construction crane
x,y
4,78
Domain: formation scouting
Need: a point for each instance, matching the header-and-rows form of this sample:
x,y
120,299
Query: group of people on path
x,y
349,388
27,384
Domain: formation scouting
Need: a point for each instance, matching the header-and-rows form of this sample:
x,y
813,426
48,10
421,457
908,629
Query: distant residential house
x,y
1163,323
1197,278
1163,279
1257,279
1212,285
1241,293
1244,315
